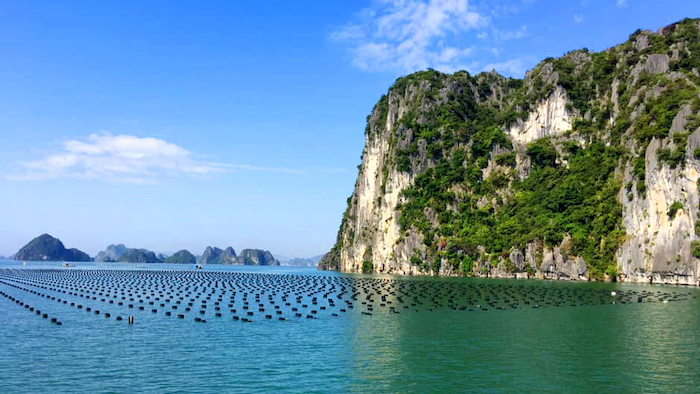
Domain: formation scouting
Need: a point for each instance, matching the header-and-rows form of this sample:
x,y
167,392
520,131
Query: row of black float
x,y
248,296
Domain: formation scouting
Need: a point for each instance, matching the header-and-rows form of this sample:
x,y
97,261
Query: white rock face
x,y
658,247
550,118
372,226
375,215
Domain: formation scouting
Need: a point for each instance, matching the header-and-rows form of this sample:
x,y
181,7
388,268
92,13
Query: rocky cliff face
x,y
660,237
550,118
586,169
48,248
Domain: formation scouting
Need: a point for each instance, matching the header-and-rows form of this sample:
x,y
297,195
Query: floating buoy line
x,y
248,297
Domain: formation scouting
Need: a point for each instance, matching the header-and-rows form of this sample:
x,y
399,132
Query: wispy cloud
x,y
578,19
505,35
509,7
621,3
407,35
124,158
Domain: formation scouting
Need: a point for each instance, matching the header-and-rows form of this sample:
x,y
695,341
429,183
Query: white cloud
x,y
124,158
578,19
509,7
408,35
516,67
621,3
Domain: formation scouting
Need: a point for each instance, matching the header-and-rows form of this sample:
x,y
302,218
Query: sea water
x,y
624,348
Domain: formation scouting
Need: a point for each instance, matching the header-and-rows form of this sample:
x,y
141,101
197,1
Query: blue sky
x,y
168,125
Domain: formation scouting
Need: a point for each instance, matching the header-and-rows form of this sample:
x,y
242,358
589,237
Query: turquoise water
x,y
590,345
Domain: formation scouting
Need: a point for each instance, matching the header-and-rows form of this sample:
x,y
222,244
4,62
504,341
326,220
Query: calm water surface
x,y
631,348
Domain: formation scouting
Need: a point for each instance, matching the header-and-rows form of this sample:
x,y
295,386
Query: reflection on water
x,y
637,347
432,346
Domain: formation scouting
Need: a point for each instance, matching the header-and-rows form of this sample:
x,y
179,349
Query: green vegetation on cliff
x,y
578,199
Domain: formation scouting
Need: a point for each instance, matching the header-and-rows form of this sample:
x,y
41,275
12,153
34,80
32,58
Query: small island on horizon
x,y
48,248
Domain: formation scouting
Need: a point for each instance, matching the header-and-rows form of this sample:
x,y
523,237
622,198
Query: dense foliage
x,y
578,199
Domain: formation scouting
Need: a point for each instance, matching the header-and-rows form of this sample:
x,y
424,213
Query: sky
x,y
178,125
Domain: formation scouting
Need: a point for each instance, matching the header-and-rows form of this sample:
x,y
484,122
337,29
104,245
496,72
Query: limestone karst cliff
x,y
585,169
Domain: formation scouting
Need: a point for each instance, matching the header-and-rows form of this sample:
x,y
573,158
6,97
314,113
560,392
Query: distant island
x,y
120,253
139,256
113,253
181,257
48,248
303,262
257,257
214,255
